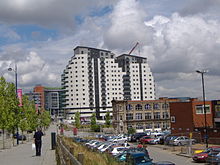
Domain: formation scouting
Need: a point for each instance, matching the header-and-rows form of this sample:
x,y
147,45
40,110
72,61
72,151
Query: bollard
x,y
72,150
68,161
81,158
53,140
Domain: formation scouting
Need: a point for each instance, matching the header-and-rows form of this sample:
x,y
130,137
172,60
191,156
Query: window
x,y
147,106
156,106
139,126
165,115
165,106
200,109
157,115
148,126
138,116
129,107
129,116
138,107
172,119
148,115
157,125
165,125
129,126
217,110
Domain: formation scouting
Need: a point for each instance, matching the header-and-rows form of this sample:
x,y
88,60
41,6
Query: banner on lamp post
x,y
19,94
37,108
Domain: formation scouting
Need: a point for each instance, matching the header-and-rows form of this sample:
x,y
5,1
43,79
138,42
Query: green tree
x,y
29,114
131,130
44,119
94,126
77,120
9,106
107,119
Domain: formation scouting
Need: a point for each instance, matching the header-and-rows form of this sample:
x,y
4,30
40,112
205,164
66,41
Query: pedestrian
x,y
38,141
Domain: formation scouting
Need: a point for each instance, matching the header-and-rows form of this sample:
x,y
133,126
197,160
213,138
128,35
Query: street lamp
x,y
16,88
203,91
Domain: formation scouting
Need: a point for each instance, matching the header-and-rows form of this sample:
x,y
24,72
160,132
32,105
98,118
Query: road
x,y
158,154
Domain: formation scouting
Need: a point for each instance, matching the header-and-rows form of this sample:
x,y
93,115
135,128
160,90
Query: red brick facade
x,y
187,119
40,89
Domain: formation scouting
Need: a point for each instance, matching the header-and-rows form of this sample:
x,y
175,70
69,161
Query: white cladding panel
x,y
148,82
135,81
114,81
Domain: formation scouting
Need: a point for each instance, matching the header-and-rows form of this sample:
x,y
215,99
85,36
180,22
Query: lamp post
x,y
16,88
203,92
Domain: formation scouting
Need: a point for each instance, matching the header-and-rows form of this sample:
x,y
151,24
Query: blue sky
x,y
177,37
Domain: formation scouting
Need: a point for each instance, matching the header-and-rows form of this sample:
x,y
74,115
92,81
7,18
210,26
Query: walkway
x,y
24,155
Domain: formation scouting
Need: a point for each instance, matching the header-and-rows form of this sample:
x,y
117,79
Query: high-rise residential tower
x,y
95,77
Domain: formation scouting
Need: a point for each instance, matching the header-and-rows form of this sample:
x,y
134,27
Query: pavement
x,y
24,155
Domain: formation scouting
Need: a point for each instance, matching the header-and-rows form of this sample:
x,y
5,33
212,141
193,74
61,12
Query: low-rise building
x,y
47,98
189,116
146,115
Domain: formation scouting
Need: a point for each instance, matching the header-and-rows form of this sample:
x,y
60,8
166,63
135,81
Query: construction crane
x,y
133,48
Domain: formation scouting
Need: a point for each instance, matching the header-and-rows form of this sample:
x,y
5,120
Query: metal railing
x,y
65,155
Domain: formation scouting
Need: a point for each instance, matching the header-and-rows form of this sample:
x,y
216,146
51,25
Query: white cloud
x,y
175,45
49,13
32,70
127,26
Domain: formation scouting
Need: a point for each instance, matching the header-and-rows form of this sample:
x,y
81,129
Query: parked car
x,y
138,158
182,140
155,140
146,139
116,150
104,147
201,157
94,145
214,157
90,143
137,136
120,139
20,137
168,139
164,163
123,156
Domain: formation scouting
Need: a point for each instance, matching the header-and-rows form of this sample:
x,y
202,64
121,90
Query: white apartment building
x,y
95,77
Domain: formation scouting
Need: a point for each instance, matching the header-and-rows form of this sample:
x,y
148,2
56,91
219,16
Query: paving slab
x,y
24,155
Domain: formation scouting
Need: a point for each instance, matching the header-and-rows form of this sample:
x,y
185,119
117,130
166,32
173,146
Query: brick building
x,y
189,116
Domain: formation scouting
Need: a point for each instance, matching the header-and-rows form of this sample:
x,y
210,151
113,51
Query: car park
x,y
201,157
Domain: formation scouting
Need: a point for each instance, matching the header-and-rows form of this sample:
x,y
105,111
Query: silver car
x,y
182,140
